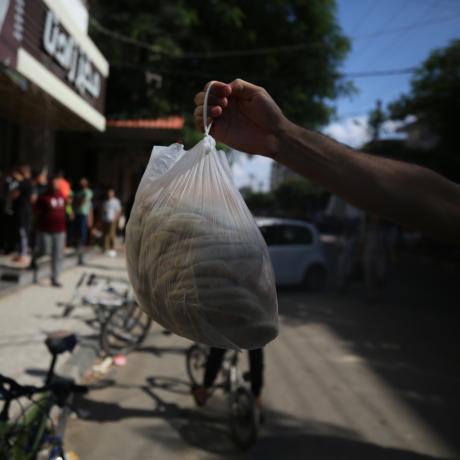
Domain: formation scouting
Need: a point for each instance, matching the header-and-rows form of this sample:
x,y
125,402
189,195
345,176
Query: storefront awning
x,y
40,41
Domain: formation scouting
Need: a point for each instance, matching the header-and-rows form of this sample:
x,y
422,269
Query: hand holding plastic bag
x,y
196,259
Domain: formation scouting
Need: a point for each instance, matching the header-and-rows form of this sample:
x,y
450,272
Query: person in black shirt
x,y
22,211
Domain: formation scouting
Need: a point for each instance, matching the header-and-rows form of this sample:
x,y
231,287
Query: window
x,y
286,235
293,234
269,234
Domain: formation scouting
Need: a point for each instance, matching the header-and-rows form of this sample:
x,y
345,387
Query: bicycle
x,y
33,435
244,416
123,325
125,329
101,293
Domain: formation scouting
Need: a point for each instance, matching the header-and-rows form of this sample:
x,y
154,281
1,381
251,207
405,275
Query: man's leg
x,y
83,230
23,241
213,365
57,252
39,249
47,244
106,235
113,234
256,366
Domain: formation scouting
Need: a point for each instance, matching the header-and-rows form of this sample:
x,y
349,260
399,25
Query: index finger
x,y
218,89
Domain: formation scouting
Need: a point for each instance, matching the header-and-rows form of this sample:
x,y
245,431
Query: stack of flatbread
x,y
200,278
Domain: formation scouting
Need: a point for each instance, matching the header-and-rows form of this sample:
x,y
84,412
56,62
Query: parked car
x,y
296,252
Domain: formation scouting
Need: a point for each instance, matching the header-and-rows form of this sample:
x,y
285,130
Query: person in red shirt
x,y
51,228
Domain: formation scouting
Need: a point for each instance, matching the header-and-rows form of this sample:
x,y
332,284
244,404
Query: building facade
x,y
52,79
118,156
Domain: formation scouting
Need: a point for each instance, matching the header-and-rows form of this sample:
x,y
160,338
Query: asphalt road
x,y
345,380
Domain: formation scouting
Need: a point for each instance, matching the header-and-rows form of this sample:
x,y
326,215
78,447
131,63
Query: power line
x,y
380,73
185,72
395,43
160,54
368,44
202,55
436,4
415,25
362,19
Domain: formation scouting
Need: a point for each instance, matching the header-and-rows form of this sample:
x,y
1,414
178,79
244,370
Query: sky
x,y
385,35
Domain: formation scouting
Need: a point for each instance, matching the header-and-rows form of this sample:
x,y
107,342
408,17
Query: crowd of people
x,y
41,214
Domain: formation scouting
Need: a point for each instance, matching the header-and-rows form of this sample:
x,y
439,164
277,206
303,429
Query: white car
x,y
296,252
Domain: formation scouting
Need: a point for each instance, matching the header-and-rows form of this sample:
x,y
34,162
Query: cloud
x,y
355,133
240,176
390,127
351,131
252,171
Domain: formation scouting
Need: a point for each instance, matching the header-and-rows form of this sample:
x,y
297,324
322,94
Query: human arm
x,y
408,194
246,118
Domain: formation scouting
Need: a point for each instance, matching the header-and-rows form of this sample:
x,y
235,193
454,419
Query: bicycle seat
x,y
60,341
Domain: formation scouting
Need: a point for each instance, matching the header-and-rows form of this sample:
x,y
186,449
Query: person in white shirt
x,y
111,211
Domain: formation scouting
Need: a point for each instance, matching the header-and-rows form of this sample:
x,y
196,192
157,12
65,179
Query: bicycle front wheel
x,y
244,422
125,329
196,358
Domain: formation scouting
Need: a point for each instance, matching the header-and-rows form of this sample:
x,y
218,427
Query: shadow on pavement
x,y
34,372
409,339
282,436
160,351
171,384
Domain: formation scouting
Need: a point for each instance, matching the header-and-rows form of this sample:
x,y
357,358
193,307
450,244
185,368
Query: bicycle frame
x,y
231,372
32,432
96,291
26,433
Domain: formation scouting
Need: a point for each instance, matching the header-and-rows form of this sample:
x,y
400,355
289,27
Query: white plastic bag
x,y
195,257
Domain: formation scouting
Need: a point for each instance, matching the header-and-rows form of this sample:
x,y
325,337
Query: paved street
x,y
345,380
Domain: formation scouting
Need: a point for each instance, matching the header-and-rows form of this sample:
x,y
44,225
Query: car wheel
x,y
315,278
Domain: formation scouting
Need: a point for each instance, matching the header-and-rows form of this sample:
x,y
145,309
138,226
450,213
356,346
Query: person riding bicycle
x,y
201,393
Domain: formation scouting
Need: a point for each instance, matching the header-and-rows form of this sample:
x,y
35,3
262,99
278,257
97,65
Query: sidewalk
x,y
28,314
14,276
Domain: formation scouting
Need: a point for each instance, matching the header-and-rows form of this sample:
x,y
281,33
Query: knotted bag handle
x,y
207,128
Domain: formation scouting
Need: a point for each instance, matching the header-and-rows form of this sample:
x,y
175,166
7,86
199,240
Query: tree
x,y
260,203
161,52
296,198
376,119
434,99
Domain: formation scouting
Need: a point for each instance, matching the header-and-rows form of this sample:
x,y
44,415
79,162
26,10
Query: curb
x,y
29,277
